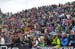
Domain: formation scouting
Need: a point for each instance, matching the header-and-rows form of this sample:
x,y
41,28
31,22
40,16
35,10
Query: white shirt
x,y
36,43
68,16
2,41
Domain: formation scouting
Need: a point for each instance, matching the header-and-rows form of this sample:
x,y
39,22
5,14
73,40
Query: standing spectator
x,y
2,40
42,41
73,28
35,42
6,37
64,40
72,40
55,41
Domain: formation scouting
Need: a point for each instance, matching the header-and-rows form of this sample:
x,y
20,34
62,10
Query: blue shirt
x,y
64,41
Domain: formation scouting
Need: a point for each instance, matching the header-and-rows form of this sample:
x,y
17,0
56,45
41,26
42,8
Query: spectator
x,y
6,37
55,41
42,42
35,42
2,40
72,40
64,40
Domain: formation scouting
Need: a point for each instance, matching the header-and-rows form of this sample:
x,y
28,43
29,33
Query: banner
x,y
26,47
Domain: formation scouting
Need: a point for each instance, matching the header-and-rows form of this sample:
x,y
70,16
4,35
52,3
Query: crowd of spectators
x,y
44,26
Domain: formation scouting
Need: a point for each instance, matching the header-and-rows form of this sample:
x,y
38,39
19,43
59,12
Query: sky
x,y
19,5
